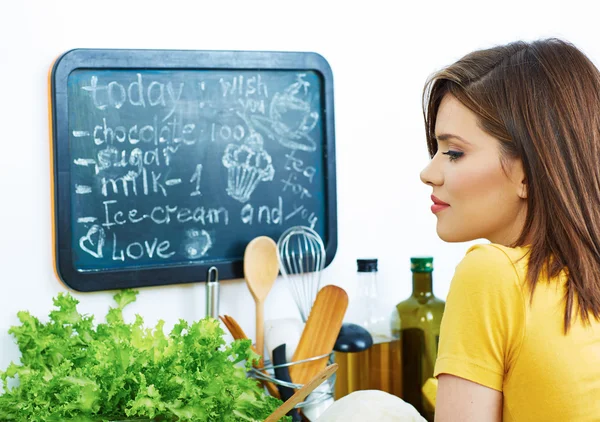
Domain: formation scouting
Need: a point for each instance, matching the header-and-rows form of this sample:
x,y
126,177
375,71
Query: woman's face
x,y
473,196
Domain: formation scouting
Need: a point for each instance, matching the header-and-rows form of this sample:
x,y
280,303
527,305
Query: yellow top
x,y
493,336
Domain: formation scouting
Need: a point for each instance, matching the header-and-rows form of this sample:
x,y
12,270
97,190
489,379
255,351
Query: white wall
x,y
383,207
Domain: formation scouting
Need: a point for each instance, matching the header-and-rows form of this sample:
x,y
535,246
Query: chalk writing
x,y
306,215
115,95
238,85
81,189
137,250
171,166
197,178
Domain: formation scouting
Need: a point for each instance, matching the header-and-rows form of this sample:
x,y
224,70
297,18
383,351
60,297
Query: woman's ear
x,y
519,179
523,189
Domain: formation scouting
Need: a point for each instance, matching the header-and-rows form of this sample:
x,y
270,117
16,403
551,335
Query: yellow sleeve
x,y
483,322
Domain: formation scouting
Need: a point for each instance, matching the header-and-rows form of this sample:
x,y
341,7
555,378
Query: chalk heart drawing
x,y
93,241
197,243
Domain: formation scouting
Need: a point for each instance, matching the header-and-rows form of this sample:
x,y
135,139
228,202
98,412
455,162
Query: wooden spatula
x,y
302,393
261,267
321,331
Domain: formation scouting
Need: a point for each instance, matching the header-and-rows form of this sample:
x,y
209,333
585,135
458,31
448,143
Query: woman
x,y
514,136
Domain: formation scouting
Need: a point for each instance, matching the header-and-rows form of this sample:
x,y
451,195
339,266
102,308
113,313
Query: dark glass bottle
x,y
417,324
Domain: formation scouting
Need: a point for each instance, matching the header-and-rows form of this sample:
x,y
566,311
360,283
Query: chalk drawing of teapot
x,y
290,117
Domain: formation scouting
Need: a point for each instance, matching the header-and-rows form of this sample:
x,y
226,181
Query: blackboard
x,y
169,162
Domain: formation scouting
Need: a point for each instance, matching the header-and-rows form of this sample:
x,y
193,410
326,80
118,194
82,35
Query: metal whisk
x,y
301,258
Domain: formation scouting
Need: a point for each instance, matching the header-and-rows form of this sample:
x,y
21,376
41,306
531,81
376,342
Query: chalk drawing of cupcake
x,y
248,165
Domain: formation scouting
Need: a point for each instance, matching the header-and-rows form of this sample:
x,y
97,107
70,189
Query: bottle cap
x,y
421,264
367,265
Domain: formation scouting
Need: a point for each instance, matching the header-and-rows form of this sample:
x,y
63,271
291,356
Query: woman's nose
x,y
431,175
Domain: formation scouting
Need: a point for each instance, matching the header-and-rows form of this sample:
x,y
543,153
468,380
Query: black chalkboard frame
x,y
75,59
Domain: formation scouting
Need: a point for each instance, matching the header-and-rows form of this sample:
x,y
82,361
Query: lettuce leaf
x,y
74,370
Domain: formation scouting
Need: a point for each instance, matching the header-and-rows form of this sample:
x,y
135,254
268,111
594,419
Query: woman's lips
x,y
438,205
435,208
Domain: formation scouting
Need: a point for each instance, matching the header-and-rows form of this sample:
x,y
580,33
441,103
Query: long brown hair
x,y
541,100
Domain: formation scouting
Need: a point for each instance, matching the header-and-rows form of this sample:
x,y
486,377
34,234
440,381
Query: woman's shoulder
x,y
493,262
495,255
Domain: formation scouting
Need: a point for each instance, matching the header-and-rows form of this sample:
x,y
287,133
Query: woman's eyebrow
x,y
447,136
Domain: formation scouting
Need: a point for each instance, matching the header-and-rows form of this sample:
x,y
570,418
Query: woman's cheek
x,y
473,181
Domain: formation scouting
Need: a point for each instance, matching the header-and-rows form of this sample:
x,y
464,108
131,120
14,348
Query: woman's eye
x,y
453,155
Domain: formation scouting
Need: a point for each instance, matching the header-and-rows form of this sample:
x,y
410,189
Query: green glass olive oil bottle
x,y
418,327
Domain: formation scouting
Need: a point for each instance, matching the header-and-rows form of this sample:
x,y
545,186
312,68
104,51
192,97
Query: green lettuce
x,y
74,370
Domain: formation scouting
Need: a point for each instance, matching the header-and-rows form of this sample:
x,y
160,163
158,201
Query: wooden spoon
x,y
261,267
238,334
320,333
301,394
